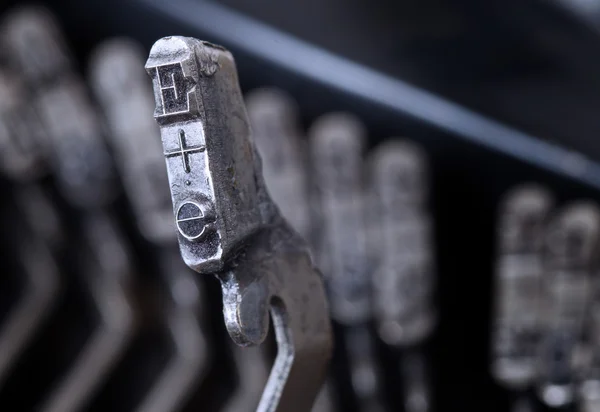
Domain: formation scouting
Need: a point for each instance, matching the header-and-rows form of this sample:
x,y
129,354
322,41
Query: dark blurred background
x,y
498,93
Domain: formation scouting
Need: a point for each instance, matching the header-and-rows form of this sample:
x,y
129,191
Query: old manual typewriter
x,y
327,206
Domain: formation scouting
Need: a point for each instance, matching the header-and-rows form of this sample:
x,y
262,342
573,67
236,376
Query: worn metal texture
x,y
83,169
229,226
118,78
77,153
402,247
279,139
517,323
276,131
336,146
589,362
571,255
341,244
404,282
22,159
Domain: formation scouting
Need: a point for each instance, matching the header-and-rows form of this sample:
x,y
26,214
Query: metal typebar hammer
x,y
229,226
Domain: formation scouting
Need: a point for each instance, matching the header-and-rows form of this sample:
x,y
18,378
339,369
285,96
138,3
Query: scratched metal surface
x,y
473,164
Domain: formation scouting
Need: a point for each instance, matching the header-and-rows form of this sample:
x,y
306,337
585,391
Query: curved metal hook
x,y
228,224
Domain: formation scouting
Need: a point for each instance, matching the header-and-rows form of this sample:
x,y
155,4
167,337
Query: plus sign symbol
x,y
184,151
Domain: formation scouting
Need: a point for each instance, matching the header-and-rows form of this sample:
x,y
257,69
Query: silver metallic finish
x,y
83,169
336,146
517,323
262,264
274,119
78,155
404,280
35,41
120,82
81,161
589,353
572,244
118,78
276,132
22,157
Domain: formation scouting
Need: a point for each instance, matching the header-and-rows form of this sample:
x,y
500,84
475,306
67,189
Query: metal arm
x,y
336,145
276,131
572,242
118,78
227,223
83,171
22,160
517,322
404,281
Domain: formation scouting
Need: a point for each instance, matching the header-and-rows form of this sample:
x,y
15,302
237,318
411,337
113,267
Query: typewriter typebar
x,y
281,143
276,131
517,324
22,160
119,80
228,225
402,248
82,169
336,146
571,247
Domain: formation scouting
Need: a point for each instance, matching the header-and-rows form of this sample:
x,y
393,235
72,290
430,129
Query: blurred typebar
x,y
440,160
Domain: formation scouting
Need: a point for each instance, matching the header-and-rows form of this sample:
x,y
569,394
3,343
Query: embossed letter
x,y
174,89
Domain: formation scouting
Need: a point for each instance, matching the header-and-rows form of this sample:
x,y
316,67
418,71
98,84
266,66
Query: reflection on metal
x,y
22,157
119,81
572,244
263,265
83,170
78,155
123,89
279,141
336,146
275,129
403,282
517,324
